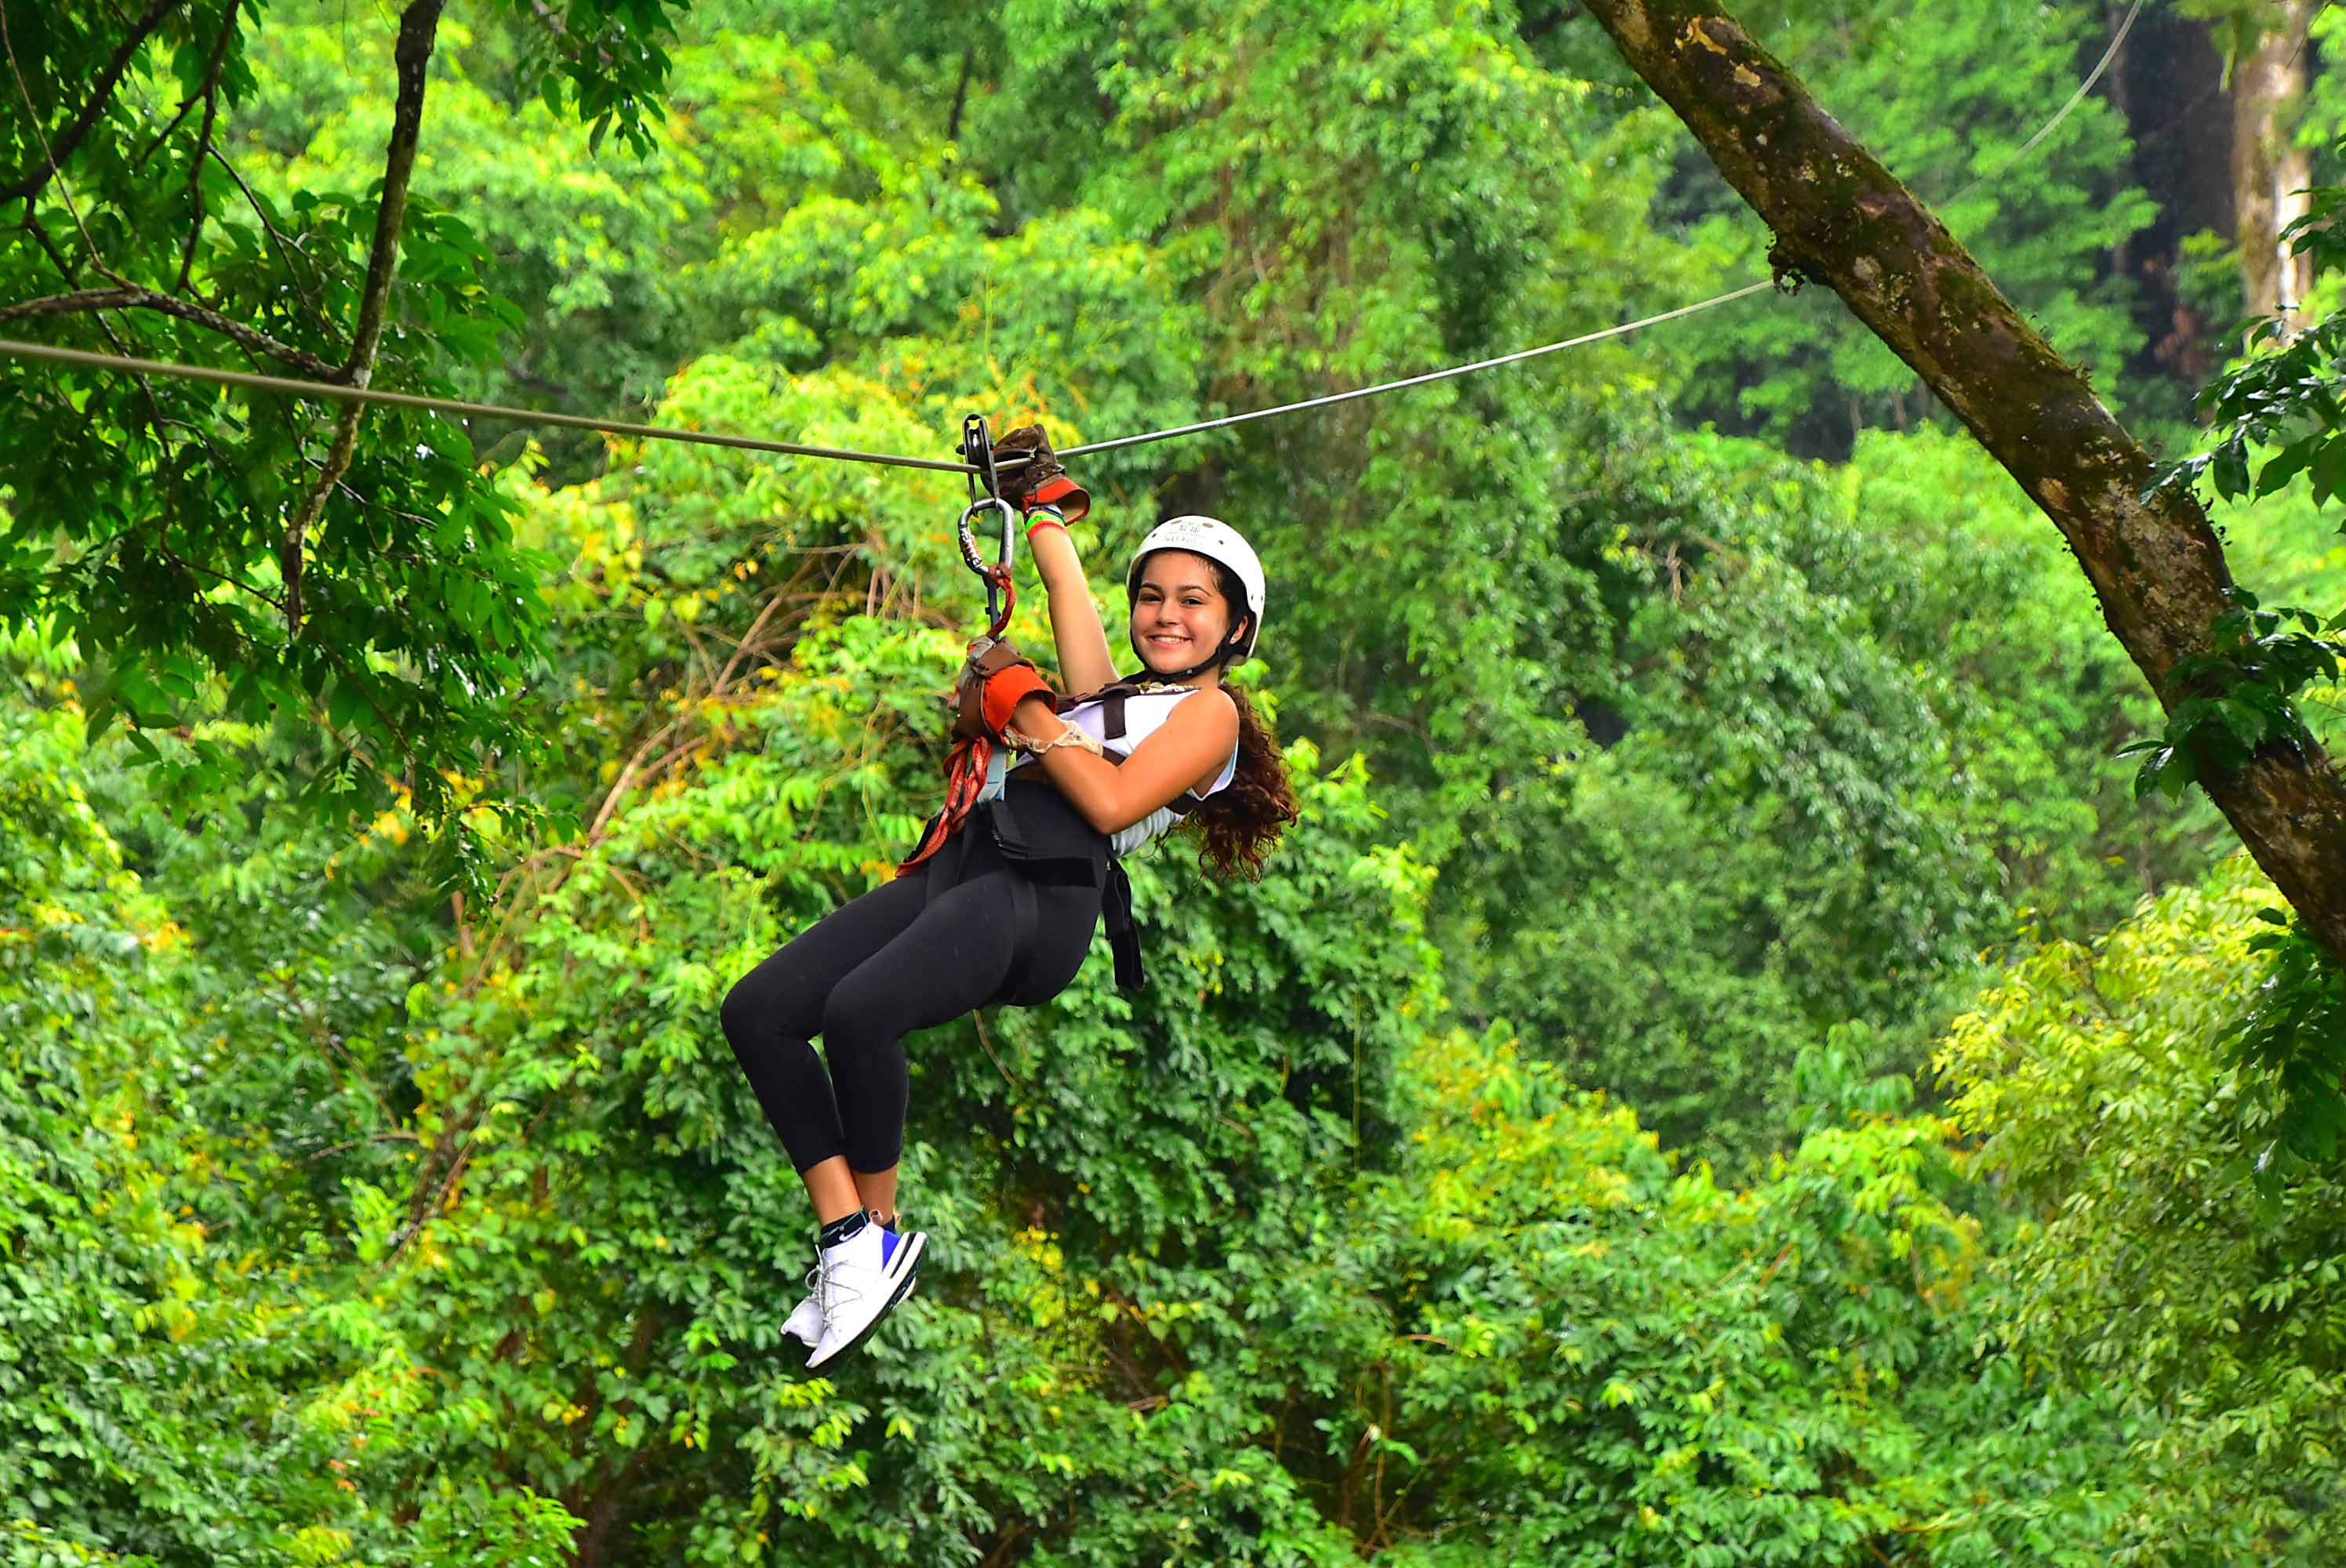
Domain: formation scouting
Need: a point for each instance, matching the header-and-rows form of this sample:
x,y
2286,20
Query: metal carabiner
x,y
997,576
984,489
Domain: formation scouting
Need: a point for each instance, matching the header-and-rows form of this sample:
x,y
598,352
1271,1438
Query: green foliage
x,y
1184,1250
2277,410
2284,401
795,208
2250,677
1838,719
2292,1041
1977,598
602,1240
1271,1267
1675,774
171,528
1197,232
153,1386
1456,550
2100,1083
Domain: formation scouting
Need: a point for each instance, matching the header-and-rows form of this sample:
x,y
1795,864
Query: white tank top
x,y
1144,711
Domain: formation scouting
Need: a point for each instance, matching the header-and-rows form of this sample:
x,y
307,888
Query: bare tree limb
x,y
419,27
30,184
204,142
286,250
133,296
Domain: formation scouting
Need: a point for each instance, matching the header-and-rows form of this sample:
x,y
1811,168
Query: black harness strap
x,y
1123,931
1028,866
1116,923
1025,920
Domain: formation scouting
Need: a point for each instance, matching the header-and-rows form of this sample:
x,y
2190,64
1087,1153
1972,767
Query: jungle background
x,y
1726,1070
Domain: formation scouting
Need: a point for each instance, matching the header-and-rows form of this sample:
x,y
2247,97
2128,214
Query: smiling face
x,y
1180,616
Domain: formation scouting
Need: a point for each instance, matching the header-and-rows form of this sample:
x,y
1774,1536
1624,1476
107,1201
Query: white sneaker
x,y
856,1283
805,1321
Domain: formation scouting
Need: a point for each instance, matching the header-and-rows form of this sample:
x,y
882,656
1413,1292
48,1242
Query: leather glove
x,y
1041,481
992,683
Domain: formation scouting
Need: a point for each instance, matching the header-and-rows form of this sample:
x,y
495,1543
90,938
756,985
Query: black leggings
x,y
885,964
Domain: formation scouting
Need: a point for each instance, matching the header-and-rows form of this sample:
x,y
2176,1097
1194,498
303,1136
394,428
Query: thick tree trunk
x,y
2270,170
1841,219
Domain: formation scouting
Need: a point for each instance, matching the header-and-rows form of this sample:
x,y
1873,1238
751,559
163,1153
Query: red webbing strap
x,y
964,776
997,576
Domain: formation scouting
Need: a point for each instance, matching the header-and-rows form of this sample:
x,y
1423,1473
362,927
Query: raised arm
x,y
1040,487
1086,663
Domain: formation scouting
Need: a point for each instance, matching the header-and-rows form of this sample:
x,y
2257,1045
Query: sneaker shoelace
x,y
833,1293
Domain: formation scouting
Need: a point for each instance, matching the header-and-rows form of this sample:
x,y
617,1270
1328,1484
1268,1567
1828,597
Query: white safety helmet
x,y
1217,541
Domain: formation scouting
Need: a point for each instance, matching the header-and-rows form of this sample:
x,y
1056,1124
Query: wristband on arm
x,y
1063,495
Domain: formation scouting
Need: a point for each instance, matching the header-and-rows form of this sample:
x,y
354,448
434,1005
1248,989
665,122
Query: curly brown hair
x,y
1240,824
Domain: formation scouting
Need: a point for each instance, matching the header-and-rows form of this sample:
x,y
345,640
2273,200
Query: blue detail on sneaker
x,y
888,1242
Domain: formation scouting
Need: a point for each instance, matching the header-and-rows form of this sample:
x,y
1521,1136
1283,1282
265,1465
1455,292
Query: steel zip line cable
x,y
294,387
2108,55
327,390
1416,381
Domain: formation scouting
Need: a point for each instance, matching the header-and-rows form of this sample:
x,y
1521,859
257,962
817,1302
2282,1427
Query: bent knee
x,y
740,1013
855,1017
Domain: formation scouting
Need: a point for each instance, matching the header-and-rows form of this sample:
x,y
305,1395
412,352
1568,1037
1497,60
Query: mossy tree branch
x,y
1841,218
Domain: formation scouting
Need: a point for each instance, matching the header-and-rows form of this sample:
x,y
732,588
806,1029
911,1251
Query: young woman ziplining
x,y
998,907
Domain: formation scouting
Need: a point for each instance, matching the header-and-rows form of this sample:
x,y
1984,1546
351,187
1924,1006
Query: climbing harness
x,y
1036,830
1081,857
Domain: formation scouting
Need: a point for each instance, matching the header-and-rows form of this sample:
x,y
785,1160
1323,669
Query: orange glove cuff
x,y
1072,499
1008,688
